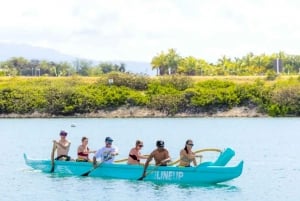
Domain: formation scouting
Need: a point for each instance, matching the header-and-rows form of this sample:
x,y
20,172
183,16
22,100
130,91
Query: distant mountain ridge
x,y
9,50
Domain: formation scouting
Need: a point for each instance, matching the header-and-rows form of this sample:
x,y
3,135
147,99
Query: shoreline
x,y
138,112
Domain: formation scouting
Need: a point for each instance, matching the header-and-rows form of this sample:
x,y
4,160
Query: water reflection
x,y
159,186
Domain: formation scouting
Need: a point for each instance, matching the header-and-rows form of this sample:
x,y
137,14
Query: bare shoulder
x,y
165,150
154,152
182,151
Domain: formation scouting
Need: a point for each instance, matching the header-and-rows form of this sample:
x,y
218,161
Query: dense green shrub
x,y
257,94
167,103
172,95
132,81
285,101
60,101
271,75
214,93
176,81
136,99
17,100
155,88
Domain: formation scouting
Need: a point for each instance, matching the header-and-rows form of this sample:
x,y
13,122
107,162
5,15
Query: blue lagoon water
x,y
268,146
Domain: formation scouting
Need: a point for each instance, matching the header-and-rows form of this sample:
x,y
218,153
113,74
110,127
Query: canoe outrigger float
x,y
204,173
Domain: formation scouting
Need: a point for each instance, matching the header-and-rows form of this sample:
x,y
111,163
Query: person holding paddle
x,y
83,151
62,146
106,153
187,155
135,155
160,155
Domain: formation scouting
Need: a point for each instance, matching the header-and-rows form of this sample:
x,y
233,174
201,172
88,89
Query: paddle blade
x,y
52,169
141,178
86,174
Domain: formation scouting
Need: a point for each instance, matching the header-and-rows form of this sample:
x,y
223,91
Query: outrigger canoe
x,y
204,173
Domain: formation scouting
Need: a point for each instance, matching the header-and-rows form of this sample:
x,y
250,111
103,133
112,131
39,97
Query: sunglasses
x,y
191,144
63,134
140,145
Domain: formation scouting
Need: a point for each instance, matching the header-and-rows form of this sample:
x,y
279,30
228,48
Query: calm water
x,y
269,147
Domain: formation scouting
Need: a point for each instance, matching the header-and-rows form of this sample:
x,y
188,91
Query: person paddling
x,y
160,155
187,155
83,151
62,146
135,155
107,153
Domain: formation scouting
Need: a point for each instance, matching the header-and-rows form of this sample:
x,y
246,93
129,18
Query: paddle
x,y
198,151
88,172
154,169
125,159
52,157
149,172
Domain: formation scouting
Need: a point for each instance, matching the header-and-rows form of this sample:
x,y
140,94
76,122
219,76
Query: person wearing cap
x,y
135,155
187,155
107,153
160,155
62,146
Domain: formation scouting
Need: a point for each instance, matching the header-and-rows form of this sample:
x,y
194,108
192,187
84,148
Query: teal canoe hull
x,y
205,173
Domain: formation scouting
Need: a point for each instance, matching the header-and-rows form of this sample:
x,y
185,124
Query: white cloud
x,y
139,29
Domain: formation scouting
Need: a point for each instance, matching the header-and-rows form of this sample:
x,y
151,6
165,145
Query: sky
x,y
138,30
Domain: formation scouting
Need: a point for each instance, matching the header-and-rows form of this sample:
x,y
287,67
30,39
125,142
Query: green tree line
x,y
68,96
171,62
19,66
165,63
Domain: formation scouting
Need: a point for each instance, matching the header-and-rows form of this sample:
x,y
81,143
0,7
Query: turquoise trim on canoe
x,y
205,173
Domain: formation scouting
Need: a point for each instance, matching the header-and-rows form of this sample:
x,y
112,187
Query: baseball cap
x,y
108,139
160,143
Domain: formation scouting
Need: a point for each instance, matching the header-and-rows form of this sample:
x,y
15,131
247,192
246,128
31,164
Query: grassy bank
x,y
157,96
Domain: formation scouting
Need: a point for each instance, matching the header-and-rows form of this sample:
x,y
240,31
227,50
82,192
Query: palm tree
x,y
173,60
188,66
159,63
